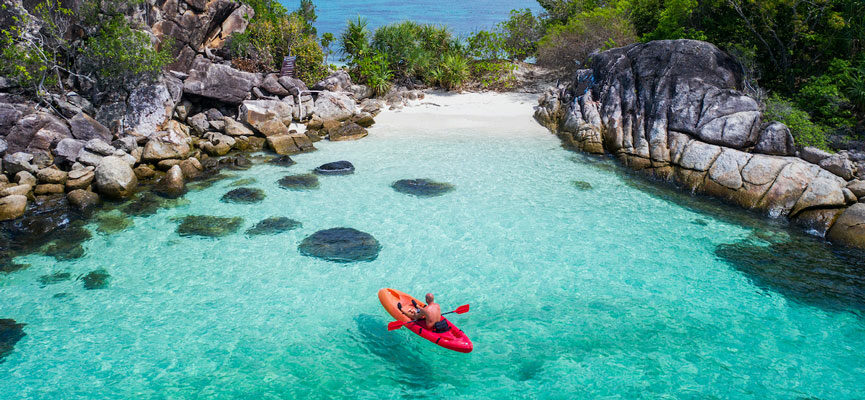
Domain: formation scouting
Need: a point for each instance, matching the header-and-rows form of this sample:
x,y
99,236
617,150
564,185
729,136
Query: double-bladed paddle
x,y
399,324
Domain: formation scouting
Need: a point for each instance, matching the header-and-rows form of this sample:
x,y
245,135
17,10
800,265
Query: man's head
x,y
430,298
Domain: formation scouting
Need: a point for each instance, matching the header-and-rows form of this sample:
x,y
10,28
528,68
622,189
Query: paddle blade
x,y
462,309
395,325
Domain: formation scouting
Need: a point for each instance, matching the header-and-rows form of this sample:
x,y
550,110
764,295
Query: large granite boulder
x,y
39,130
219,82
334,106
148,107
114,178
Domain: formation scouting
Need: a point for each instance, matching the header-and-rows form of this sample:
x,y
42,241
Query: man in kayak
x,y
431,314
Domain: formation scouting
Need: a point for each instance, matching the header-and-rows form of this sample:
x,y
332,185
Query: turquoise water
x,y
609,292
463,17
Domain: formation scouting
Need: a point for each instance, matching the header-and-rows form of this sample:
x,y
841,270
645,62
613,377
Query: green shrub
x,y
827,103
485,45
454,70
118,54
804,131
375,72
274,34
354,40
520,34
494,74
600,29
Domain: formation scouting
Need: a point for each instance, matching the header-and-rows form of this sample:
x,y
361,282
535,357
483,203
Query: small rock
x,y
99,146
52,175
89,158
48,188
165,165
199,123
97,279
282,161
25,178
208,226
299,182
191,168
86,128
234,128
17,162
813,155
67,150
115,178
83,200
80,179
244,196
12,207
143,172
857,187
19,190
283,144
273,226
172,185
127,144
335,168
422,187
839,165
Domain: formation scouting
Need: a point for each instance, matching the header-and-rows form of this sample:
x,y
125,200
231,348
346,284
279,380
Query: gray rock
x,y
849,229
814,155
114,178
127,144
99,146
181,111
235,128
18,162
82,199
839,165
67,150
293,85
25,178
271,85
38,130
148,107
3,146
213,115
334,106
699,156
199,123
172,185
775,139
857,187
339,81
89,158
86,128
726,169
219,82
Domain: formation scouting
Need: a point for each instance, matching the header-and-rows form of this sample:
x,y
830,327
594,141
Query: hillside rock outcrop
x,y
676,110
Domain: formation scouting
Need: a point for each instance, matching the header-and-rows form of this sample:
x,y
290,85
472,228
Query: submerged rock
x,y
801,268
172,185
97,279
582,185
10,333
341,245
148,203
67,243
54,278
244,182
422,187
282,161
112,222
273,225
335,168
208,225
244,196
700,222
299,182
237,163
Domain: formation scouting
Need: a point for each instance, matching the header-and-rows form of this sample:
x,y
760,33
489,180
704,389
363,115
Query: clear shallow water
x,y
610,292
463,17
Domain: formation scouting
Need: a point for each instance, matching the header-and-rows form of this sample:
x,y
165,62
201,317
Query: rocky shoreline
x,y
677,111
61,160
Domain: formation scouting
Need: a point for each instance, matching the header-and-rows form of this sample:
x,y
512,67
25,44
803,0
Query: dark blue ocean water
x,y
463,16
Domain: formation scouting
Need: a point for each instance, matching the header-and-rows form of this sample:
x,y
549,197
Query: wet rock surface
x,y
10,333
55,278
208,226
97,279
335,168
273,226
342,245
299,182
244,195
422,187
282,161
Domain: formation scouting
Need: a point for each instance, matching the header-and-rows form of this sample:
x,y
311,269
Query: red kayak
x,y
453,339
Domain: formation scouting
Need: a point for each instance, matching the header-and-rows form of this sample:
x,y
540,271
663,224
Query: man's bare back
x,y
431,314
